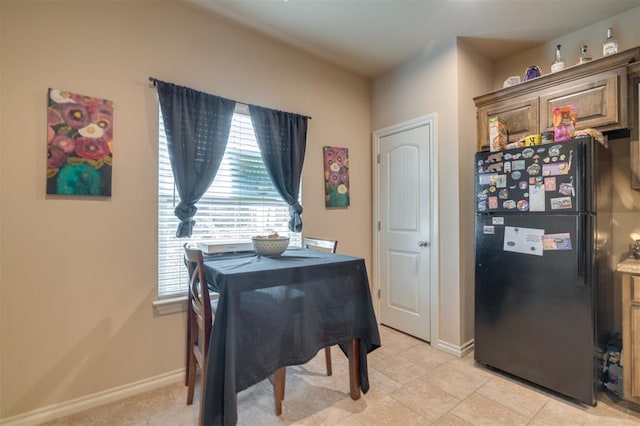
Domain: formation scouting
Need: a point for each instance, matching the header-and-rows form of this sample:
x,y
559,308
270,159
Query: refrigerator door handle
x,y
584,250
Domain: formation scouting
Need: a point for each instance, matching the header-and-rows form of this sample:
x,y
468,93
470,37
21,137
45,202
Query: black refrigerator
x,y
543,284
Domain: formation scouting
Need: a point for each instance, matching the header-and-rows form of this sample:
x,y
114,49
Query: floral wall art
x,y
336,176
79,144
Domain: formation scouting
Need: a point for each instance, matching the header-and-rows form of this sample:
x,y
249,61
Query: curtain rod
x,y
155,83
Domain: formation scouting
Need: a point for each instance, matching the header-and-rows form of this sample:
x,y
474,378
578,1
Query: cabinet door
x,y
631,337
596,97
520,114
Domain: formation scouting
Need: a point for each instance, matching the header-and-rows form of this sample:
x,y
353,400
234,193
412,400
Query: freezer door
x,y
534,314
551,178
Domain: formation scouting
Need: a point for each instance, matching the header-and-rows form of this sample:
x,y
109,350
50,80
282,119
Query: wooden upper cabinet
x,y
521,116
597,99
598,89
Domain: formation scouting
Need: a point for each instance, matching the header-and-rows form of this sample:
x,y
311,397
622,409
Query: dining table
x,y
279,311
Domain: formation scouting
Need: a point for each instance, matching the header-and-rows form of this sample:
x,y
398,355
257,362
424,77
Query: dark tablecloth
x,y
274,312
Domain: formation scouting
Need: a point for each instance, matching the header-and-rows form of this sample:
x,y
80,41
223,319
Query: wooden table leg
x,y
354,368
278,388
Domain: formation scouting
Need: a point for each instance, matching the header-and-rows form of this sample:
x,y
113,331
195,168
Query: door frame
x,y
430,120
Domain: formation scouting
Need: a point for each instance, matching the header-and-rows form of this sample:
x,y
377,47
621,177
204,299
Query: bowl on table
x,y
270,246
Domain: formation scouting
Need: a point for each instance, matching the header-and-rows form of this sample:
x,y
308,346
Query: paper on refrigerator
x,y
523,240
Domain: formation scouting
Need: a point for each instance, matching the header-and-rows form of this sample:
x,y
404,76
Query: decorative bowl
x,y
266,246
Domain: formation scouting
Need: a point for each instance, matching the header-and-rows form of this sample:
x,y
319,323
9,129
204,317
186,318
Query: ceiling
x,y
372,36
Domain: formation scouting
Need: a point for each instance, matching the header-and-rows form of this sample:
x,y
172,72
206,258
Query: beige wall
x,y
424,85
78,275
474,79
444,80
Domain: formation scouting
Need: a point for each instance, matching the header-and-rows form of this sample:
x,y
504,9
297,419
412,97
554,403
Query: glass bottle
x,y
584,56
558,64
610,45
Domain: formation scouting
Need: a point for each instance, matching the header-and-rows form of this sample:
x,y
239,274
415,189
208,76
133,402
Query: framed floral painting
x,y
79,144
336,176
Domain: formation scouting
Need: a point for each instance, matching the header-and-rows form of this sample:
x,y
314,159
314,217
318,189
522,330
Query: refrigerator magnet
x,y
550,184
486,179
555,169
523,184
516,175
533,169
560,203
493,202
523,240
501,181
503,194
496,167
518,165
495,157
536,197
482,206
523,205
489,230
554,151
566,189
497,220
509,204
560,241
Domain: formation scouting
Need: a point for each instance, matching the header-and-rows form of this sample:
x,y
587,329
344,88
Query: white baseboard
x,y
456,350
66,408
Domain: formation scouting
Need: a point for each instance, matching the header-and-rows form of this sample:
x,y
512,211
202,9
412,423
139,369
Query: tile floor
x,y
411,384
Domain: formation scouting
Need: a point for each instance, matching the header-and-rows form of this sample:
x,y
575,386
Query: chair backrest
x,y
318,243
199,300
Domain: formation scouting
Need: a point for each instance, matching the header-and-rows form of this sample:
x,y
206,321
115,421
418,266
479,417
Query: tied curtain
x,y
197,126
282,138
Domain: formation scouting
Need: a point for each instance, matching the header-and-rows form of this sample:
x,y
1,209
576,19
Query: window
x,y
240,203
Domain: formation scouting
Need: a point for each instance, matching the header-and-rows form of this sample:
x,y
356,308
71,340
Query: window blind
x,y
240,203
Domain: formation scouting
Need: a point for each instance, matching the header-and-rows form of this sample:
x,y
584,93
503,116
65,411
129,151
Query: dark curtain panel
x,y
197,126
282,138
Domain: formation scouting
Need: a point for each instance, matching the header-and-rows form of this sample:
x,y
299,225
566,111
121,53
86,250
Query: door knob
x,y
423,244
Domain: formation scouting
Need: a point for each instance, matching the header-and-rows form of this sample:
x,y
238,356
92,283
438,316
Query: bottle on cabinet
x,y
558,64
610,45
584,56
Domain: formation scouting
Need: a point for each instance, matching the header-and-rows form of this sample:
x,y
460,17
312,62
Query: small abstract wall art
x,y
336,176
79,144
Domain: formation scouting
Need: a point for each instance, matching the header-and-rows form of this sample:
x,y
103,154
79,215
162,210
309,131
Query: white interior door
x,y
404,230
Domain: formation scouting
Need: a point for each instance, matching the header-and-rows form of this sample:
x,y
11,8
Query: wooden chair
x,y
328,246
319,244
200,316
